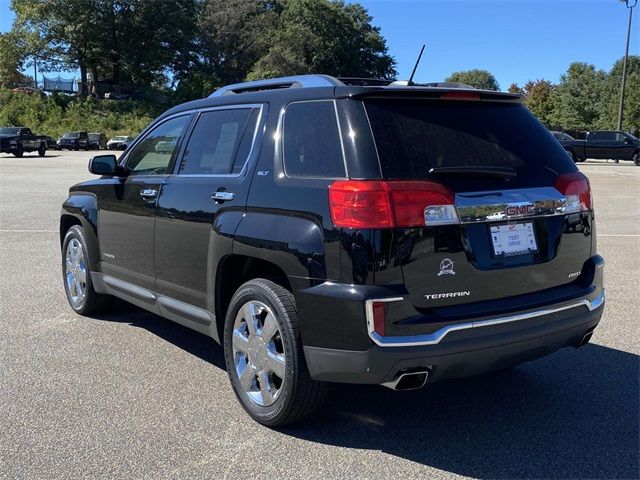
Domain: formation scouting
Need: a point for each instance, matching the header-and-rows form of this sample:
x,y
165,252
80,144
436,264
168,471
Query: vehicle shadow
x,y
574,414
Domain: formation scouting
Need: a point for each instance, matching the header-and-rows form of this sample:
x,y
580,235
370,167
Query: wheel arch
x,y
81,210
233,271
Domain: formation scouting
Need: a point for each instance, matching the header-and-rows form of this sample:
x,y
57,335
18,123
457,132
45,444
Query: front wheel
x,y
19,152
76,275
42,150
264,356
636,159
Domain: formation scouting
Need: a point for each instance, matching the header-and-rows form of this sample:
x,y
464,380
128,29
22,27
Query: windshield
x,y
9,131
94,136
120,139
71,135
412,137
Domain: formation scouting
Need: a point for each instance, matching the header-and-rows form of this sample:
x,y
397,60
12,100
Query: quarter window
x,y
311,143
155,152
220,142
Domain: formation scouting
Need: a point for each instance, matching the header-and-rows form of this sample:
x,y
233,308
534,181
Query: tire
x,y
42,150
284,400
636,159
19,152
84,300
572,156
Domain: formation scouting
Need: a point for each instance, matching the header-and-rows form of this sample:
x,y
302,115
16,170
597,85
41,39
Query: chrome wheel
x,y
75,272
258,353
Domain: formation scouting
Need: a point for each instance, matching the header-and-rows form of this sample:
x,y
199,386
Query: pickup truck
x,y
607,144
18,140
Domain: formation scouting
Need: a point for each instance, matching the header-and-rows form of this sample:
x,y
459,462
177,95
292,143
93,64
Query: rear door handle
x,y
148,193
222,196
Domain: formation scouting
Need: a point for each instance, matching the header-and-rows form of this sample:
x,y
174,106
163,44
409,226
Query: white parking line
x,y
30,231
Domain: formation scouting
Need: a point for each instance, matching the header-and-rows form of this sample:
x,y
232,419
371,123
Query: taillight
x,y
575,186
463,95
390,203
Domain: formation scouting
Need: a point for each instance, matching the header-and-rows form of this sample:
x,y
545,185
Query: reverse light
x,y
390,204
575,187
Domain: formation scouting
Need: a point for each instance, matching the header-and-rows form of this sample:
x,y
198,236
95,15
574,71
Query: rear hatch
x,y
516,214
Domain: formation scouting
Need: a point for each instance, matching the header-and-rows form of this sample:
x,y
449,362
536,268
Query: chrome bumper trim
x,y
437,336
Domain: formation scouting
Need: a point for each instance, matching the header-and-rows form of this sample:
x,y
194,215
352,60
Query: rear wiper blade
x,y
488,171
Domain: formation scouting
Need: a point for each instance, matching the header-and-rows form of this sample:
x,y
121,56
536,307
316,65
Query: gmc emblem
x,y
515,210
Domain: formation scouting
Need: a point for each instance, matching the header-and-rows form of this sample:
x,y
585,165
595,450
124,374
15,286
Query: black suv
x,y
342,231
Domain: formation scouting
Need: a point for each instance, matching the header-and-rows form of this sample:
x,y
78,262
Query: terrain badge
x,y
446,267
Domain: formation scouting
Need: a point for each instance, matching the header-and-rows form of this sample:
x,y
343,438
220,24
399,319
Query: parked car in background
x,y
74,141
18,140
602,144
326,232
52,143
97,141
119,143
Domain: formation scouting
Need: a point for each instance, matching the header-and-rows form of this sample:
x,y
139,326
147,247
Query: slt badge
x,y
446,267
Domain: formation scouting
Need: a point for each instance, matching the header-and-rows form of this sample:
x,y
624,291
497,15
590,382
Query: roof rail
x,y
365,82
298,81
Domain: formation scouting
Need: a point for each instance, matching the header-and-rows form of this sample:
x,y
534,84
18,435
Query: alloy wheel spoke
x,y
246,378
81,274
267,396
277,365
269,329
240,342
249,313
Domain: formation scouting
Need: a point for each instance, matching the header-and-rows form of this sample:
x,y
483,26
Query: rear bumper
x,y
463,352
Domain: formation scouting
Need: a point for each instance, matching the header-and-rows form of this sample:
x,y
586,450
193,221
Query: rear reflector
x,y
575,186
390,204
378,317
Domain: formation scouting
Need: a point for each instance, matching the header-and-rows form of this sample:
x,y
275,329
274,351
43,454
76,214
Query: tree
x,y
322,36
476,78
515,88
540,99
252,39
11,59
132,41
608,118
579,97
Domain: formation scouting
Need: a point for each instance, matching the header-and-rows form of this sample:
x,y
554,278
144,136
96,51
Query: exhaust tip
x,y
408,381
586,338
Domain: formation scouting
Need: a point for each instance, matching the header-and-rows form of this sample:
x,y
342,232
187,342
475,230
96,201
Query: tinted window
x,y
414,136
215,143
602,136
154,153
311,142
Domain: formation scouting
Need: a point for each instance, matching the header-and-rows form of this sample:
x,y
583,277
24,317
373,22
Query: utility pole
x,y
35,72
629,4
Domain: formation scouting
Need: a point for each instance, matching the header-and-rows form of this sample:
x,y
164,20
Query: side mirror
x,y
627,141
103,165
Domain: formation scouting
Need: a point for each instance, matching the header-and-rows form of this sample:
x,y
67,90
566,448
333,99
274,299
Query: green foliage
x,y
256,39
540,98
476,78
579,97
324,36
56,114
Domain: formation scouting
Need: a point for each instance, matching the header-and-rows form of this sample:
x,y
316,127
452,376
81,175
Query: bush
x,y
55,114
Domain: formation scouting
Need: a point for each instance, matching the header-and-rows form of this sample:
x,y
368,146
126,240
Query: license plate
x,y
513,239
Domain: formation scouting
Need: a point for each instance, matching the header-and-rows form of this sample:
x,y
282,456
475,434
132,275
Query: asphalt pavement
x,y
131,395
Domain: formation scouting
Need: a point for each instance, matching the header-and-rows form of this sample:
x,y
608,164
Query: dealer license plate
x,y
513,239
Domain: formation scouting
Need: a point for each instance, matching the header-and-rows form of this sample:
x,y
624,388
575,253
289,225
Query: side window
x,y
311,142
220,142
620,137
154,153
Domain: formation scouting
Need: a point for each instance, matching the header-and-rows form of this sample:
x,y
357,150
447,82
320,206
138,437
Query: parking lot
x,y
131,395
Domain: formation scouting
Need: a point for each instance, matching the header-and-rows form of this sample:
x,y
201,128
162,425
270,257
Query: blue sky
x,y
516,40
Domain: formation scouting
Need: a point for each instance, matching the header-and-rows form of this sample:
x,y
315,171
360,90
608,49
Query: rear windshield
x,y
413,137
71,135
